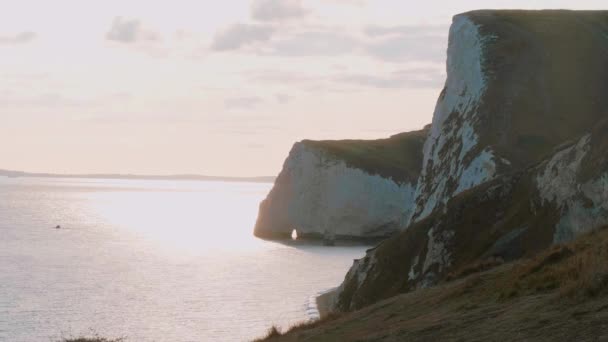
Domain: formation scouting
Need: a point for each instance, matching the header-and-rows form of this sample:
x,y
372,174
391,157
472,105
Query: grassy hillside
x,y
398,157
561,294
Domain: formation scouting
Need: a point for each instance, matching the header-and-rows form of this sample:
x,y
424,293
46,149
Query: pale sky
x,y
215,87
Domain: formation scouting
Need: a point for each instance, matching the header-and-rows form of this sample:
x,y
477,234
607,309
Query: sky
x,y
215,87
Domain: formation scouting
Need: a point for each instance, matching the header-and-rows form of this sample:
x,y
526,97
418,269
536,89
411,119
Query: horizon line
x,y
14,173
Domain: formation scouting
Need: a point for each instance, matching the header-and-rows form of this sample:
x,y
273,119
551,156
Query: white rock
x,y
319,194
583,207
453,137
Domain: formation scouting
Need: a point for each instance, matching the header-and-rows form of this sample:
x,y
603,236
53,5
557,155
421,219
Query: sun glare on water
x,y
182,252
188,217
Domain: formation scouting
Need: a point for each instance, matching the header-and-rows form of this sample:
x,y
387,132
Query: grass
x,y
275,332
398,157
272,333
92,336
560,293
92,339
576,270
475,267
531,104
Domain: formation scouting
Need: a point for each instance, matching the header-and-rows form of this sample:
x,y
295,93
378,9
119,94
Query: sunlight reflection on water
x,y
150,260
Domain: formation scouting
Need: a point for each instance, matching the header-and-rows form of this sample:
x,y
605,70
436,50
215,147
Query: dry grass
x,y
578,269
477,267
275,332
92,339
558,294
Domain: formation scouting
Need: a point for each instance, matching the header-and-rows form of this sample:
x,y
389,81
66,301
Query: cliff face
x,y
507,218
512,163
344,189
519,83
453,160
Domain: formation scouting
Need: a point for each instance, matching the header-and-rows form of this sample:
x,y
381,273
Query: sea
x,y
151,261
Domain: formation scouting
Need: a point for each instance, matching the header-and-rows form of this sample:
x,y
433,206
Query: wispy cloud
x,y
283,77
431,76
315,43
412,78
240,35
392,44
283,98
277,10
130,31
9,99
243,102
19,38
408,30
407,43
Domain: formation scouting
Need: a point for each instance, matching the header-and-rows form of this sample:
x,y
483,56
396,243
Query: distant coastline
x,y
186,177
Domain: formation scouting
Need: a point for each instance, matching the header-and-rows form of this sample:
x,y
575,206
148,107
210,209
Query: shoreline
x,y
322,303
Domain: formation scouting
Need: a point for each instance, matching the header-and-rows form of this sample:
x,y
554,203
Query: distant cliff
x,y
352,189
515,159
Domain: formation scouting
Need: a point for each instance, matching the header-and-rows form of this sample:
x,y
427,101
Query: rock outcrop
x,y
519,83
350,189
513,162
506,218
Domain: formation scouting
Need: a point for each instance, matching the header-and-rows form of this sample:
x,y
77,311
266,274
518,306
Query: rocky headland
x,y
513,163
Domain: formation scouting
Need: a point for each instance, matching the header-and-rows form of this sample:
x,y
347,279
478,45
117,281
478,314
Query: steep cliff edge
x,y
519,83
353,189
512,163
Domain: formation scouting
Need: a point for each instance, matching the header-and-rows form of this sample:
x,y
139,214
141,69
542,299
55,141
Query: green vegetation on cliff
x,y
398,157
546,81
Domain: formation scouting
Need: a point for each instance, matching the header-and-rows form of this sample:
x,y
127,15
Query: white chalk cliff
x,y
451,162
514,161
323,194
515,157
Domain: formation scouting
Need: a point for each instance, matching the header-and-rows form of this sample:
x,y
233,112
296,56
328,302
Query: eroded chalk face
x,y
452,163
321,195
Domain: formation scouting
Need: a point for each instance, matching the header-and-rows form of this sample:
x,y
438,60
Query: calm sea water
x,y
149,260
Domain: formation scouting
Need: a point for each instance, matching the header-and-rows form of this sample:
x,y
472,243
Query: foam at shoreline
x,y
319,303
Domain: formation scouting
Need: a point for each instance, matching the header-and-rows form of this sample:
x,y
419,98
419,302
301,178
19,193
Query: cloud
x,y
407,43
45,100
283,98
394,44
348,2
281,76
243,102
277,10
411,78
411,30
19,38
256,145
129,31
315,43
239,35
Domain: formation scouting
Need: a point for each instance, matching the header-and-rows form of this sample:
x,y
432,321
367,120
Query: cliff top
x,y
398,157
546,76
